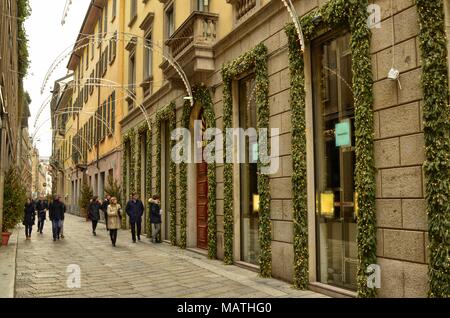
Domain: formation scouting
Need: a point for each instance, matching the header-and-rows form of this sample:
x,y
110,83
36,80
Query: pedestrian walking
x,y
155,217
42,209
114,212
105,205
29,217
135,210
94,213
57,209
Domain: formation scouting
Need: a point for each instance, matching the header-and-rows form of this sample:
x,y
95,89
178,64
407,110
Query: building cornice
x,y
87,27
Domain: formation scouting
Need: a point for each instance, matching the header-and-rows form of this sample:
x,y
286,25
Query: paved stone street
x,y
130,270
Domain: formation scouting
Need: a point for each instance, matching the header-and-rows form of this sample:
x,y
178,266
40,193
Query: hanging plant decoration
x,y
202,96
167,114
256,60
336,14
143,133
127,169
436,118
148,176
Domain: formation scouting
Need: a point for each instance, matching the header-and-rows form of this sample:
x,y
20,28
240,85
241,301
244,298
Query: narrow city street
x,y
130,270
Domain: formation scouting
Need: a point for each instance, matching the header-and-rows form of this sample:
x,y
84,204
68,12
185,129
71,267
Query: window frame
x,y
114,10
169,7
133,12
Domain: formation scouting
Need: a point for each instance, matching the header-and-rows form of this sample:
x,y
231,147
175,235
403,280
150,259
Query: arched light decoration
x,y
66,11
294,16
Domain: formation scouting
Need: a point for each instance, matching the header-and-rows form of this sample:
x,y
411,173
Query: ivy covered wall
x,y
254,60
201,95
336,14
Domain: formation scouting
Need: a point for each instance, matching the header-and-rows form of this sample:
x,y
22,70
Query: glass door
x,y
334,161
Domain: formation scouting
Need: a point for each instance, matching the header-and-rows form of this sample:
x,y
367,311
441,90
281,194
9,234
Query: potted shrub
x,y
13,203
85,199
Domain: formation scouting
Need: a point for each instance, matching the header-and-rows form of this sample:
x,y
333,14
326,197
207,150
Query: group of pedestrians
x,y
109,206
134,209
56,210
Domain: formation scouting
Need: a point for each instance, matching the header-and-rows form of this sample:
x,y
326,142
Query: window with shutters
x,y
104,122
133,12
114,10
113,48
108,116
105,20
113,111
91,83
87,57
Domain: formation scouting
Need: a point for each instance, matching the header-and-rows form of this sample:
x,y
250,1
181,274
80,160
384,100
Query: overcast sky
x,y
47,40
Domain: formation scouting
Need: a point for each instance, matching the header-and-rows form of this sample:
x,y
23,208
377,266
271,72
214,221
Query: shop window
x,y
334,140
249,205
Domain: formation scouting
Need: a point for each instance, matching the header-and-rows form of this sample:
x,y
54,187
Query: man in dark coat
x,y
94,213
56,212
41,208
105,209
135,210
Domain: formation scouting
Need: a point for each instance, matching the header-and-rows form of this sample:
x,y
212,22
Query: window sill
x,y
147,82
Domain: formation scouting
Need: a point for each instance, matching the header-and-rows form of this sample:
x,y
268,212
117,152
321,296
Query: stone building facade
x,y
11,104
204,38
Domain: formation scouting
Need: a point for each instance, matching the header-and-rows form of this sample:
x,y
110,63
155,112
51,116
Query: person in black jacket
x,y
155,217
105,204
41,208
94,213
134,210
29,217
56,212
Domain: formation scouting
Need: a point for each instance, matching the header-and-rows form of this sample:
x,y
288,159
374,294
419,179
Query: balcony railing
x,y
199,28
191,44
244,6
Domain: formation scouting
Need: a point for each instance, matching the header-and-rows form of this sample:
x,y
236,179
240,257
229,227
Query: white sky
x,y
47,40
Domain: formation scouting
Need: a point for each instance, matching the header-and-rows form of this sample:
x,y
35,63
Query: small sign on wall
x,y
343,133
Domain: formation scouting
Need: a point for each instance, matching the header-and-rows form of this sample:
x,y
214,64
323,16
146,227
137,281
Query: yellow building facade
x,y
92,130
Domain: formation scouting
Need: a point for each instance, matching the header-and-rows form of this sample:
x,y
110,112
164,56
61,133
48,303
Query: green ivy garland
x,y
127,168
132,159
142,132
436,116
256,60
124,182
183,182
148,176
202,96
336,13
299,179
168,113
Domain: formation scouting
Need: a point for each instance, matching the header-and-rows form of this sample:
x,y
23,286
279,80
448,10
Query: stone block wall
x,y
399,153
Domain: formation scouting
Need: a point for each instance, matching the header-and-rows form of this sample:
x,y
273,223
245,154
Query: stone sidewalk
x,y
8,266
130,270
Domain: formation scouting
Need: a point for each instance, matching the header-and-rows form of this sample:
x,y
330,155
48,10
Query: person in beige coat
x,y
114,219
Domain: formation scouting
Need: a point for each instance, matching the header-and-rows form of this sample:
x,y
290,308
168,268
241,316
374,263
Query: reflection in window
x,y
250,250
